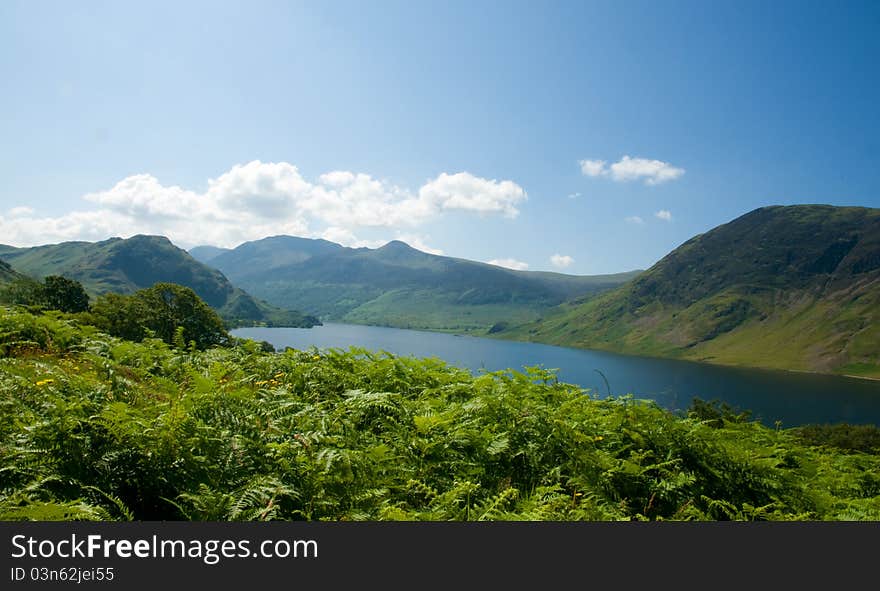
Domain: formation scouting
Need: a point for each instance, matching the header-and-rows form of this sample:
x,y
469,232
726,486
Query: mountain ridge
x,y
118,265
7,273
786,287
398,285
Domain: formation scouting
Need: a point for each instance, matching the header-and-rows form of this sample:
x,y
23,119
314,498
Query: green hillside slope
x,y
7,273
124,266
794,287
397,285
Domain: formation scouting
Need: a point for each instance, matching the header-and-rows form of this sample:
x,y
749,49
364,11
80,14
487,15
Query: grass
x,y
430,310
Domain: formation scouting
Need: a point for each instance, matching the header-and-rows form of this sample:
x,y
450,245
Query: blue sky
x,y
528,132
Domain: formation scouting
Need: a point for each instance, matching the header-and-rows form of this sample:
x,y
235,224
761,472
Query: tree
x,y
174,306
66,295
123,316
169,311
24,291
54,293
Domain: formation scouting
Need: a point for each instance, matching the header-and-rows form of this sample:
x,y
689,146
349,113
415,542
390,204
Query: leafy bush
x,y
715,412
864,438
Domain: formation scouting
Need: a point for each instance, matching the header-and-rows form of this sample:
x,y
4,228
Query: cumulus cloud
x,y
664,214
258,199
510,264
142,196
263,189
627,169
593,167
346,237
22,211
634,219
653,172
337,178
561,261
466,192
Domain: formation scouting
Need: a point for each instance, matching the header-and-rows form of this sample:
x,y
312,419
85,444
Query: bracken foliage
x,y
96,427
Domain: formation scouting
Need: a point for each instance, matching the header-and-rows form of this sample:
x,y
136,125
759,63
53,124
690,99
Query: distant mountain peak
x,y
205,252
148,238
396,245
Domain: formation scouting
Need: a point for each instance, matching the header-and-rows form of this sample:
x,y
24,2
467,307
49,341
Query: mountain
x,y
203,254
259,256
124,266
793,287
7,273
397,285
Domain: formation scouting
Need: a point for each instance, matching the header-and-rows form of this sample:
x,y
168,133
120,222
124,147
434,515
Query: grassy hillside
x,y
124,266
397,285
7,273
98,428
793,287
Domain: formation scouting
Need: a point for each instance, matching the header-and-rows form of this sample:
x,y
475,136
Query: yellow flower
x,y
44,382
279,375
598,438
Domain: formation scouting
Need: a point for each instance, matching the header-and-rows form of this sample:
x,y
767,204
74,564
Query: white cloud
x,y
466,192
346,238
142,196
664,214
510,264
561,261
20,212
574,195
652,172
78,225
262,189
337,178
257,199
634,219
593,167
362,201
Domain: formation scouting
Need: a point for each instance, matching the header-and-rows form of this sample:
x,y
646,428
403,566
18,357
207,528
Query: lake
x,y
789,397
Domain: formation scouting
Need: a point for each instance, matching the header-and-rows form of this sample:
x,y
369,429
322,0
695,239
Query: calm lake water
x,y
789,397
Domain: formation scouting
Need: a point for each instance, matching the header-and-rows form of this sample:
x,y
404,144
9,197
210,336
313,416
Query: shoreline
x,y
847,375
501,337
